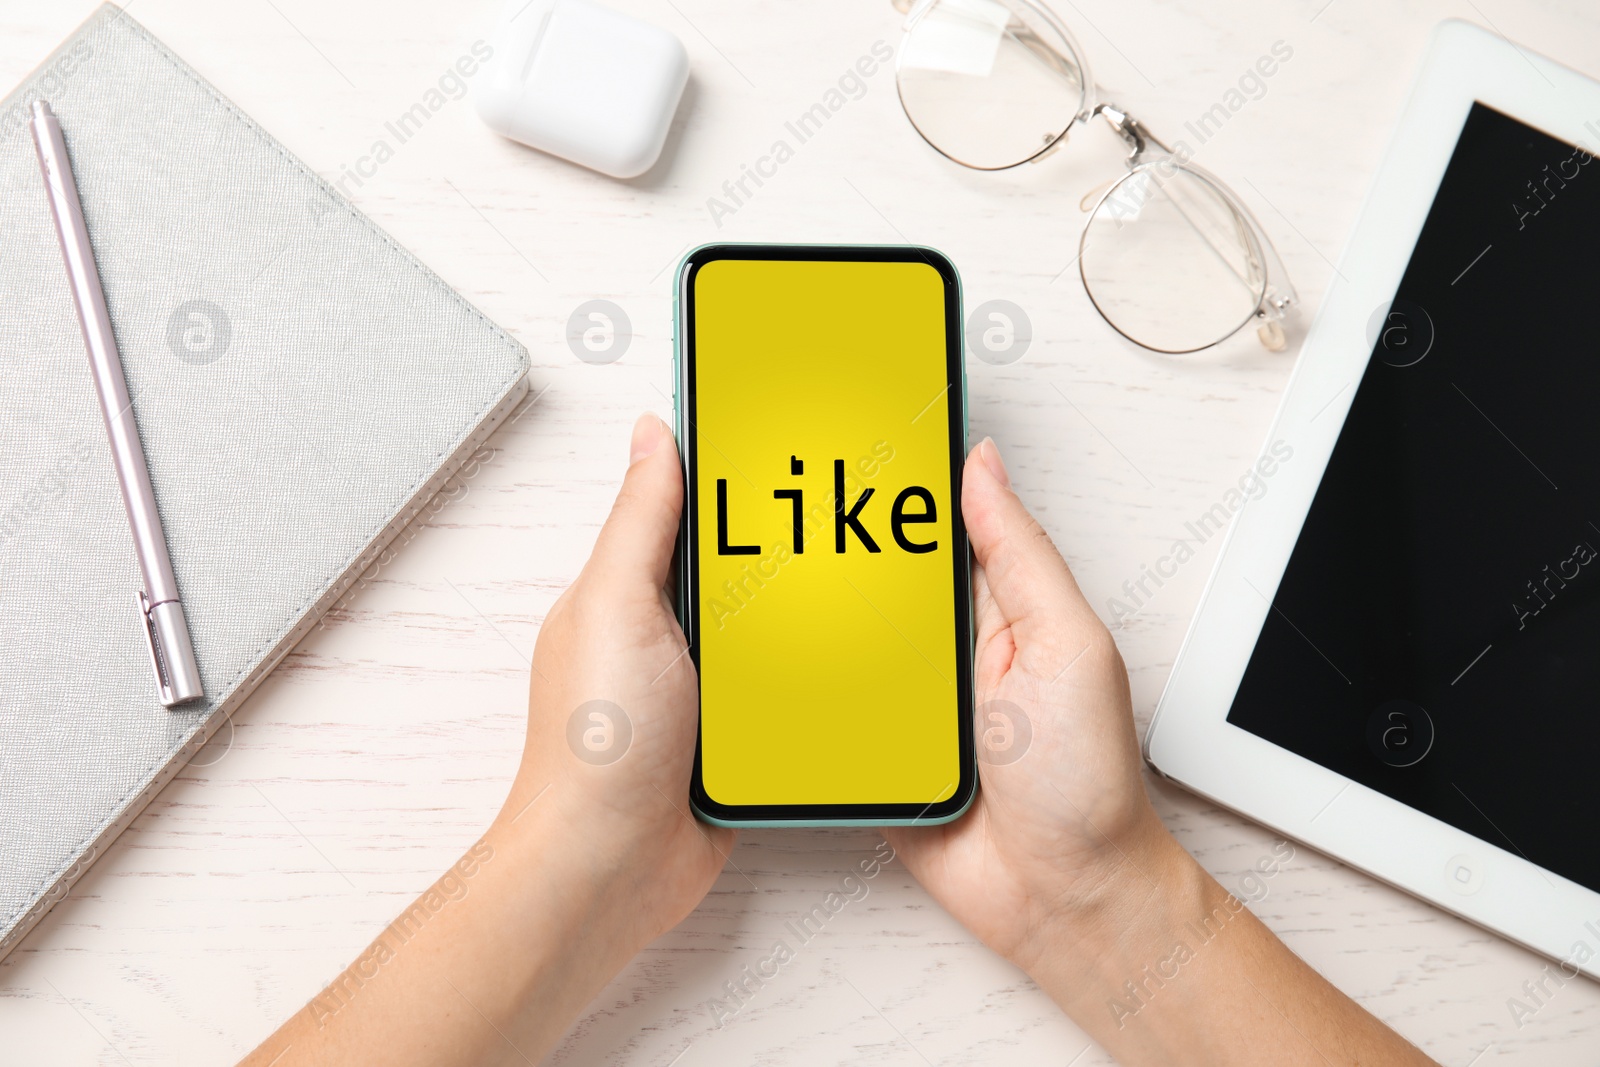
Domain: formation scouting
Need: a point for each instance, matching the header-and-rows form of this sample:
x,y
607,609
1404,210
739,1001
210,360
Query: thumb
x,y
1028,579
635,545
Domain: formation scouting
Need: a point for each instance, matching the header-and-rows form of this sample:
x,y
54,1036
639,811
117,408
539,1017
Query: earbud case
x,y
583,82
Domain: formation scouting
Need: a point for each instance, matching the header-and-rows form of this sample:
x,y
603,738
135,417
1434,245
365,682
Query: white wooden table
x,y
383,745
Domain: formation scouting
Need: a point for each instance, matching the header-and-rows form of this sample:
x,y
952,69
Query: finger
x,y
1029,581
992,660
635,545
984,610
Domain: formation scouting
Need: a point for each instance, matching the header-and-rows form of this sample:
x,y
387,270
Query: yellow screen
x,y
827,676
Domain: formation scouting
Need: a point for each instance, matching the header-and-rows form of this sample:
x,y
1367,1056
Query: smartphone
x,y
824,577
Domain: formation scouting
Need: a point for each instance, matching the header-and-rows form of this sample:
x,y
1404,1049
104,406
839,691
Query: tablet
x,y
1397,656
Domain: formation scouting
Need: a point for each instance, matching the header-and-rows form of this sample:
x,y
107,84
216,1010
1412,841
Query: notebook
x,y
303,387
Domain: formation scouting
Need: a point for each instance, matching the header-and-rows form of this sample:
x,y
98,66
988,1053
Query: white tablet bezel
x,y
1189,739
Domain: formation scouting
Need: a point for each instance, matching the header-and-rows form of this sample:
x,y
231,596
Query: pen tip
x,y
41,109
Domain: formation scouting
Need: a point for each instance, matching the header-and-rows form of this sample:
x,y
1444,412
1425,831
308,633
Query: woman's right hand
x,y
1061,835
1062,865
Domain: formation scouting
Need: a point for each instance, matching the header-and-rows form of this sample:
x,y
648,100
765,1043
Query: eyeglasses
x,y
1170,256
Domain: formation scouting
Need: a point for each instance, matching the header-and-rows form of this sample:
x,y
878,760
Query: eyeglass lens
x,y
986,84
1169,262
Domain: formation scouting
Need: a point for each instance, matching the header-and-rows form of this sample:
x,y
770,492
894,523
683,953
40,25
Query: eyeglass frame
x,y
1276,302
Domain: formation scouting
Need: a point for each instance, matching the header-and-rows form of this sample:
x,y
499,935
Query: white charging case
x,y
582,82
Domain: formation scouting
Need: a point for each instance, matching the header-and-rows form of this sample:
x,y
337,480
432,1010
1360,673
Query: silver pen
x,y
160,611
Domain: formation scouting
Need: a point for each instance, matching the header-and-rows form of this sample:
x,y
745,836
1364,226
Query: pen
x,y
166,633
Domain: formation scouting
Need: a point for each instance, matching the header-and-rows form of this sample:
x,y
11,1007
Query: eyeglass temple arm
x,y
1027,38
1278,298
1274,306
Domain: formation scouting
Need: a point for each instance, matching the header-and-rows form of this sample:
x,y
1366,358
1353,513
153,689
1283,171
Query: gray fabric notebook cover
x,y
293,422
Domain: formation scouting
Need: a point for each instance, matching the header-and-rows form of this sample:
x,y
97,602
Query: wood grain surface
x,y
384,744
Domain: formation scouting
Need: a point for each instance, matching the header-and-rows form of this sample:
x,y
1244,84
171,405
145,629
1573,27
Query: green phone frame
x,y
814,815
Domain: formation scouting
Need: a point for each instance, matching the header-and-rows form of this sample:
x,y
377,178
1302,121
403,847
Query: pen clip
x,y
152,642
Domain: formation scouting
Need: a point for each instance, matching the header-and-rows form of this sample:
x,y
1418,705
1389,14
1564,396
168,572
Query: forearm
x,y
471,973
1175,970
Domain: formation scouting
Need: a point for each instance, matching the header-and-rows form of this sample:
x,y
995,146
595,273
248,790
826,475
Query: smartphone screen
x,y
824,582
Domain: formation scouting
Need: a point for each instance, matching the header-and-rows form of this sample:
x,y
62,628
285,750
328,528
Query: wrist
x,y
1125,921
574,882
1164,965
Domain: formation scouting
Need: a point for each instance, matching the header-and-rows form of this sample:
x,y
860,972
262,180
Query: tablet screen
x,y
1436,635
